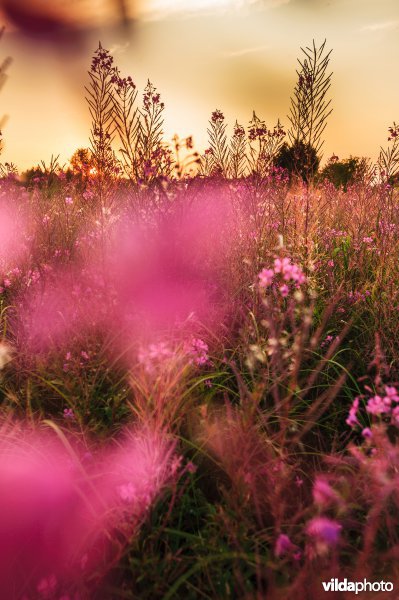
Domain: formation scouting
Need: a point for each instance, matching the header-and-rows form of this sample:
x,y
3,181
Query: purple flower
x,y
283,545
324,533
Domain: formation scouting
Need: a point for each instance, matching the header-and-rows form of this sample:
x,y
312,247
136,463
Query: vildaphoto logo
x,y
335,585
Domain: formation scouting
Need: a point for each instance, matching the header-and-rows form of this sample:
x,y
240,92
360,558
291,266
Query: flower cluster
x,y
199,352
217,116
102,60
288,271
324,534
385,405
393,132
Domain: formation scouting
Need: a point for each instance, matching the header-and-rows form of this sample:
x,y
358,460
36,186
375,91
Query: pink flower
x,y
69,414
324,534
367,433
199,351
352,418
283,545
68,200
284,290
323,493
392,393
280,264
266,277
377,405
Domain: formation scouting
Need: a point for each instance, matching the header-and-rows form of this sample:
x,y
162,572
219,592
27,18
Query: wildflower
x,y
327,340
217,116
68,200
352,418
391,393
323,493
377,405
280,264
283,545
127,492
199,351
284,290
324,534
266,277
367,433
69,414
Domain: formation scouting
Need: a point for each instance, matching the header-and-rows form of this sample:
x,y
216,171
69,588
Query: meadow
x,y
199,358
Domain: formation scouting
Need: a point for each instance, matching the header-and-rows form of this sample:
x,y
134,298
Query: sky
x,y
234,55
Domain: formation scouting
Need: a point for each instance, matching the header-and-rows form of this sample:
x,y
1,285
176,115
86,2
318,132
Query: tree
x,y
299,160
343,173
82,163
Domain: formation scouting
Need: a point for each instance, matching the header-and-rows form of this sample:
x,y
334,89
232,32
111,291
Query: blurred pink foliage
x,y
58,505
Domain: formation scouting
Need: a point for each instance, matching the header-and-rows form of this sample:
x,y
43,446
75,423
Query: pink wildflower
x,y
323,493
283,545
266,277
284,290
324,534
352,419
69,414
377,405
367,433
199,351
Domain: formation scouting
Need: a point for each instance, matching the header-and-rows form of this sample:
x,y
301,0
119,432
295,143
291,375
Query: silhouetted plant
x,y
182,164
154,158
219,152
310,108
237,152
264,145
388,160
127,119
100,99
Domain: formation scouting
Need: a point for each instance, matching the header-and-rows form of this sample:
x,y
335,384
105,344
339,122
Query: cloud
x,y
119,48
159,9
244,51
381,26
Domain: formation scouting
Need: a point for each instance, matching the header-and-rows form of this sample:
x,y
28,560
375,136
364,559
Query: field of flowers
x,y
199,365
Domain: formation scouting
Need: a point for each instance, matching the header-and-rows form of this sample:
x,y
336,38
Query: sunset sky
x,y
235,55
